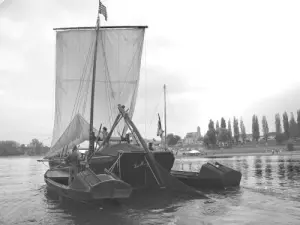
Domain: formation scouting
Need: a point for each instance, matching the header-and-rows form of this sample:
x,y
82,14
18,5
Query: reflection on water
x,y
269,194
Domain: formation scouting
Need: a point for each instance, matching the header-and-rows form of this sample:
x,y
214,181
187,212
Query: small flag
x,y
159,128
102,10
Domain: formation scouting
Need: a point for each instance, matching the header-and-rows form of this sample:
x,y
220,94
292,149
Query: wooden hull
x,y
87,186
100,162
131,168
210,176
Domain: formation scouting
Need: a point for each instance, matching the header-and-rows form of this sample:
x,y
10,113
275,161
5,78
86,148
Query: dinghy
x,y
86,185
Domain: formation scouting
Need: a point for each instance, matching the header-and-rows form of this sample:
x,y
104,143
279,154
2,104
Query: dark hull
x,y
99,162
131,168
210,176
87,186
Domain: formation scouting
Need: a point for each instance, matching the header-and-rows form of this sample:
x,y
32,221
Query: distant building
x,y
198,131
192,137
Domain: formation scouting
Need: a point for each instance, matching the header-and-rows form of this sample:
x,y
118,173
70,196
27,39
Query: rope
x,y
45,164
82,96
83,76
116,162
155,110
152,171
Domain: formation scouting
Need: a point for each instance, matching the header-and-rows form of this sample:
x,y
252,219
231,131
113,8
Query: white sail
x,y
117,78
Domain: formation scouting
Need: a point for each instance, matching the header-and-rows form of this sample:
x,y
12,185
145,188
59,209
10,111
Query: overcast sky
x,y
217,58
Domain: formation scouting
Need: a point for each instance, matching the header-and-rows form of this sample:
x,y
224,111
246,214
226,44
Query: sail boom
x,y
101,28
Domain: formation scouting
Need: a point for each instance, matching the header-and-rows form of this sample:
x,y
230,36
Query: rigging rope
x,y
80,99
156,109
83,76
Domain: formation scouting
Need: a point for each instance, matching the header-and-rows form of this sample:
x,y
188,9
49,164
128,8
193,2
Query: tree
x,y
217,125
280,137
265,128
200,138
278,124
298,122
172,139
223,123
9,148
229,131
255,128
211,133
243,131
293,130
223,135
23,148
212,136
236,129
206,140
217,128
286,126
36,146
211,125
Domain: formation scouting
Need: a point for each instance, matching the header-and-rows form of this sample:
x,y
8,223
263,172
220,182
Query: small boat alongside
x,y
210,176
86,185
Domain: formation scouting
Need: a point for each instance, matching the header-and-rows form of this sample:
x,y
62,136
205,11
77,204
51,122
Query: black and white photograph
x,y
139,112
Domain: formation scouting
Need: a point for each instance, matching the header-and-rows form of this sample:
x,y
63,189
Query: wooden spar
x,y
149,156
165,115
103,27
91,138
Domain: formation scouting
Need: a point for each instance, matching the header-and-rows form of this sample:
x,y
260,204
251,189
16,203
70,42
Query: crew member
x,y
73,159
104,133
150,146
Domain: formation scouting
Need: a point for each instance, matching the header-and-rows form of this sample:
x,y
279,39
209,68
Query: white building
x,y
192,137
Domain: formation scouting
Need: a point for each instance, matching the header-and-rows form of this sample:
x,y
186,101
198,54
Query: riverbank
x,y
245,151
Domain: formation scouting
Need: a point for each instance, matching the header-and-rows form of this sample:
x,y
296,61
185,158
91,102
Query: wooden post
x,y
91,138
165,115
149,156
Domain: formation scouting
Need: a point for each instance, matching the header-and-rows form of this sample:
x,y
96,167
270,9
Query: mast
x,y
165,115
91,137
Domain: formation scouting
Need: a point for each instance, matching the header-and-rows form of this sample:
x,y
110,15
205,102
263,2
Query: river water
x,y
269,194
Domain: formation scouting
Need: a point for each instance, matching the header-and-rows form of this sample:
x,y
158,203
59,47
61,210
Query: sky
x,y
217,58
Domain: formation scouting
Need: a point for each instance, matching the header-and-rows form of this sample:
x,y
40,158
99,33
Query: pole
x,y
91,138
149,156
165,115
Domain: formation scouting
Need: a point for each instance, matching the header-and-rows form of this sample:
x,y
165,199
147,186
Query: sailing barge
x,y
97,75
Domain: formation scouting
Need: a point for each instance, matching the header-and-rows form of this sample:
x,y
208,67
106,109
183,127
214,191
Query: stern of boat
x,y
102,186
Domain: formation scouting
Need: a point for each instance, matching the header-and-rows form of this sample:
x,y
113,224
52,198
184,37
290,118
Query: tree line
x,y
225,136
35,147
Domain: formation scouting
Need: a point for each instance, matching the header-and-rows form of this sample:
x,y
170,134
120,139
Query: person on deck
x,y
150,146
73,159
104,133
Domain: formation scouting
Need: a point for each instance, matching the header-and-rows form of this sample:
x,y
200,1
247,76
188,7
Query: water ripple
x,y
269,194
